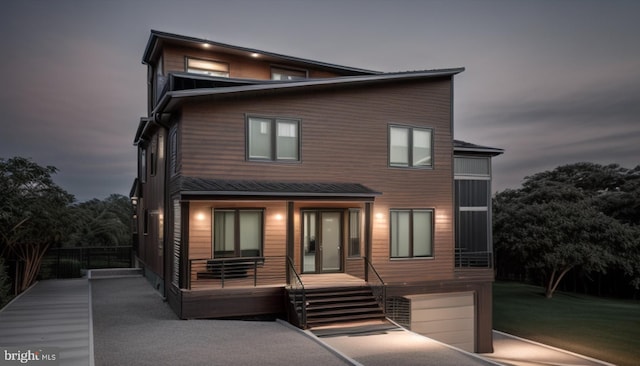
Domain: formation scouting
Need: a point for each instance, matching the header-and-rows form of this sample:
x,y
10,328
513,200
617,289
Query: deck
x,y
331,280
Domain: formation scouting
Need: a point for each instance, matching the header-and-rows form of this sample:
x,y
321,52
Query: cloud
x,y
599,124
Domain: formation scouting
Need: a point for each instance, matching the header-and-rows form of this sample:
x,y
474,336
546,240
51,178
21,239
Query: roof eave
x,y
172,98
158,35
484,151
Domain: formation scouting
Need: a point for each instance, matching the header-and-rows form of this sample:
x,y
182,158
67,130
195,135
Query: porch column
x,y
368,219
289,237
184,274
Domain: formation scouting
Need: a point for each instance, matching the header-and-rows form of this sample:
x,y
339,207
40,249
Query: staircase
x,y
335,305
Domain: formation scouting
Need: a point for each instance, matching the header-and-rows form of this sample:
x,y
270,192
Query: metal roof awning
x,y
199,187
460,146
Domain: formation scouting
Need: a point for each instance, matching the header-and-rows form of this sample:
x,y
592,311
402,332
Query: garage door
x,y
447,317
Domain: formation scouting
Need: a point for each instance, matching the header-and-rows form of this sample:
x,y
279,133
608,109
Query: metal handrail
x,y
298,288
467,259
228,264
379,290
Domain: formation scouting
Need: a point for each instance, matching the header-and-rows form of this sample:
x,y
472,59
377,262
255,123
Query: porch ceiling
x,y
215,187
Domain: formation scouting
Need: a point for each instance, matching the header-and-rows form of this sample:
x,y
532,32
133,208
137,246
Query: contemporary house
x,y
275,185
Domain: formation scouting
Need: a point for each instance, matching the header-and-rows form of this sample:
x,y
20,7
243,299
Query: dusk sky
x,y
550,82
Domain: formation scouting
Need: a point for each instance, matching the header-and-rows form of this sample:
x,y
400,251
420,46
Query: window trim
x,y
411,232
410,146
273,142
236,229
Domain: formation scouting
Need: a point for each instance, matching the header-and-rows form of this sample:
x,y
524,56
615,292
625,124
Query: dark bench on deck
x,y
229,268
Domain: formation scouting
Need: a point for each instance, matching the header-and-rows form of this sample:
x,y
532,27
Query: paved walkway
x,y
125,322
51,314
383,345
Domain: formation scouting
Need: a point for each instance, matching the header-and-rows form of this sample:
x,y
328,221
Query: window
x,y
410,147
142,164
473,211
411,233
145,227
207,67
237,233
173,150
154,156
354,233
472,207
273,139
278,73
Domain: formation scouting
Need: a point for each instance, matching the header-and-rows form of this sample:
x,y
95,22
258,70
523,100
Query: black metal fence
x,y
72,262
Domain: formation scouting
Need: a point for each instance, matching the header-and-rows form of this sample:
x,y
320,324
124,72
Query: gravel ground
x,y
133,326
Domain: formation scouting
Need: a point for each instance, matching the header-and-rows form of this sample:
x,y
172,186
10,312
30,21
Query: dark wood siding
x,y
151,244
344,135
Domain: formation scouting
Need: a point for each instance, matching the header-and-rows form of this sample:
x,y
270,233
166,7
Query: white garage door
x,y
447,317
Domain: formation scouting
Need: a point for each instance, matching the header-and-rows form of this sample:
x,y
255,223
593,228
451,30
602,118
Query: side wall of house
x,y
151,214
344,138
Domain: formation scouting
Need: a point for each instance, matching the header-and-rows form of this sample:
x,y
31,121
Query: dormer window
x,y
280,73
207,67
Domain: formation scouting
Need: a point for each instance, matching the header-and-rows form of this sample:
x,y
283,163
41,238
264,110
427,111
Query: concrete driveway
x,y
123,321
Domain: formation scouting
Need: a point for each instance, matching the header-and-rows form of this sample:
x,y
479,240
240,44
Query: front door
x,y
322,241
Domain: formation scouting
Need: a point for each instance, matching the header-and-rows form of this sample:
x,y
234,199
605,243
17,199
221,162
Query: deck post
x,y
290,236
368,217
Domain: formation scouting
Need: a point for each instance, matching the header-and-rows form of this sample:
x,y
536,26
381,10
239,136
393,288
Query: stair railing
x,y
378,287
297,294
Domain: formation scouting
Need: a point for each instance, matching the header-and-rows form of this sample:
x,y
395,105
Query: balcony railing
x,y
466,259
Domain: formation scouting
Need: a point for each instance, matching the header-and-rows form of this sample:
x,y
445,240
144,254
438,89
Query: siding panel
x,y
343,139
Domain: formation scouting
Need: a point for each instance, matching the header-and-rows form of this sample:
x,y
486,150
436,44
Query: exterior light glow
x,y
200,216
254,55
278,217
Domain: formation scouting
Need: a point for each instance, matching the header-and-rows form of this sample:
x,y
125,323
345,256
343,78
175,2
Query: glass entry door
x,y
322,241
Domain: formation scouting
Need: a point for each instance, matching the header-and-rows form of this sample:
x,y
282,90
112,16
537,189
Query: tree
x,y
102,223
33,214
556,223
5,285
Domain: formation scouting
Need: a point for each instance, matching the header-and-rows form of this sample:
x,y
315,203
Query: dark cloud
x,y
599,124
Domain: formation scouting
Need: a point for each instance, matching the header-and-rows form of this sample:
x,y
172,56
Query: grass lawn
x,y
605,329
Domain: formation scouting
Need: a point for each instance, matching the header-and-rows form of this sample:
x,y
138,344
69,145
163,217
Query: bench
x,y
228,268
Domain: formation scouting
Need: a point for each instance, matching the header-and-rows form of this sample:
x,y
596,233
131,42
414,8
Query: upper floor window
x,y
411,233
142,164
207,67
173,150
410,147
273,139
279,73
